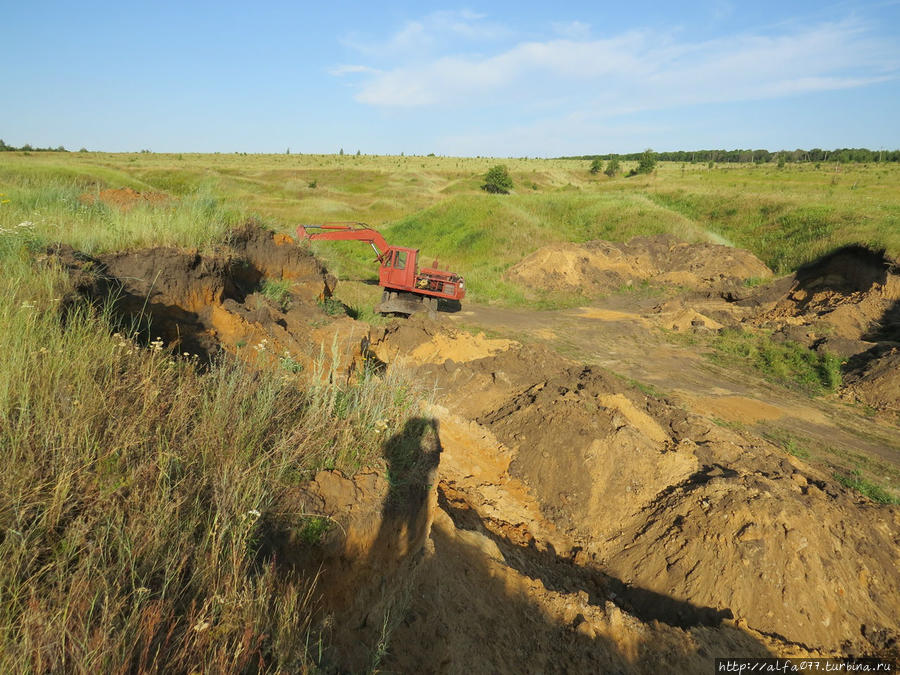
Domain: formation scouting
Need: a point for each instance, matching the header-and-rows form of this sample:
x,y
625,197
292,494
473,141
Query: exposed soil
x,y
125,198
601,266
201,304
623,518
847,303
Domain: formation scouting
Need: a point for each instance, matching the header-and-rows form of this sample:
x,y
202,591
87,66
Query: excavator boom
x,y
345,231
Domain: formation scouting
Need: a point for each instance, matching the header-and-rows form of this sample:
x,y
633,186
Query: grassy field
x,y
136,493
786,216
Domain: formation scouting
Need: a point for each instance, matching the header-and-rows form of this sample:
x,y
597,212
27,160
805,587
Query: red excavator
x,y
407,289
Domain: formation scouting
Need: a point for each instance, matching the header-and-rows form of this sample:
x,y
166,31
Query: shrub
x,y
647,162
612,166
497,180
596,166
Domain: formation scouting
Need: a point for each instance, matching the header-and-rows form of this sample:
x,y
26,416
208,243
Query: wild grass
x,y
278,291
786,216
855,481
785,362
138,494
58,212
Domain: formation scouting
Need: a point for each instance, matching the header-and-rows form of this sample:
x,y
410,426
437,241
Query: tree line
x,y
842,155
27,148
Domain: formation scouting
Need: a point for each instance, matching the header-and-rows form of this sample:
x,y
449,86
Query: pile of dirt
x,y
846,303
616,525
601,266
877,382
421,341
124,198
200,304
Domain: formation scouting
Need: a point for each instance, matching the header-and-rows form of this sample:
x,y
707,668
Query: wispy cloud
x,y
635,70
430,34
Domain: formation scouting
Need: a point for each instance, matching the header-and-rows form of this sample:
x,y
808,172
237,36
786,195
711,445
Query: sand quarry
x,y
568,519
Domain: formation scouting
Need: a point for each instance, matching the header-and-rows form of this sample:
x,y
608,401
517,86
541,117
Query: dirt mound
x,y
601,266
845,294
877,383
847,303
124,198
601,501
421,341
201,304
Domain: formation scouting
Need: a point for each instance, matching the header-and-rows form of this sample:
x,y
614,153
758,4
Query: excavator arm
x,y
348,231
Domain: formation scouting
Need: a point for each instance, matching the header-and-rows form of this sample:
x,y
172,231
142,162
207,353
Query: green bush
x,y
612,166
596,166
647,162
497,180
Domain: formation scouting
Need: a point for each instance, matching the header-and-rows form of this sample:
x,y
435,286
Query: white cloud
x,y
435,31
636,70
573,30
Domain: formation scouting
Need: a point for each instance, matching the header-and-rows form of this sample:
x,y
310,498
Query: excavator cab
x,y
398,268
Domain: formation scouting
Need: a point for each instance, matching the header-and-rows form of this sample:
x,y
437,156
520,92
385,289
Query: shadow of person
x,y
412,457
384,578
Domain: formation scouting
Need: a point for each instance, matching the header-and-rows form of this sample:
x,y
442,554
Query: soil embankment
x,y
260,297
602,267
638,526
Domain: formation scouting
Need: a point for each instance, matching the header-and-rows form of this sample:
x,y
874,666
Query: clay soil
x,y
596,498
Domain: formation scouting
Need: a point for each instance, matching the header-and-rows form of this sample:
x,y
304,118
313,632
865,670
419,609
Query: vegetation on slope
x,y
137,492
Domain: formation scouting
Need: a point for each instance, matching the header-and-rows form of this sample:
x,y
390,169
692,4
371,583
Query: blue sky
x,y
495,79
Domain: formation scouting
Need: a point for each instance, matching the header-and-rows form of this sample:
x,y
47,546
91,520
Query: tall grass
x,y
62,212
137,494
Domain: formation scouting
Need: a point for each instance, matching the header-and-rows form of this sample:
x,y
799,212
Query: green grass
x,y
785,362
787,217
138,496
790,443
278,291
855,481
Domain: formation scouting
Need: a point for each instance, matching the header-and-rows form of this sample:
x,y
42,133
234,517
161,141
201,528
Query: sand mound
x,y
124,198
420,341
652,512
877,383
600,266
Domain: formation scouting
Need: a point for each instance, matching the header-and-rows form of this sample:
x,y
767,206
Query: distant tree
x,y
288,151
596,166
497,180
612,166
357,153
781,161
341,153
647,162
